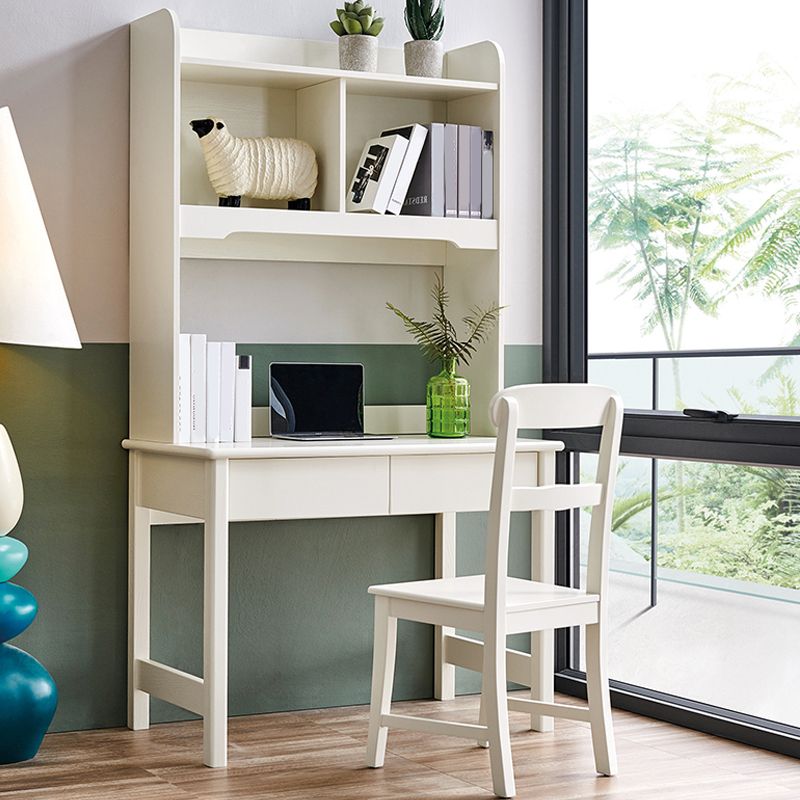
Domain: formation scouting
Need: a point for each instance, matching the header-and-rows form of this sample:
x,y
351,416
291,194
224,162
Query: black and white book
x,y
464,164
451,170
376,174
487,176
425,196
416,136
475,145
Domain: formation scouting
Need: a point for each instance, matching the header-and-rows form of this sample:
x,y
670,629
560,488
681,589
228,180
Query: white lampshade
x,y
33,305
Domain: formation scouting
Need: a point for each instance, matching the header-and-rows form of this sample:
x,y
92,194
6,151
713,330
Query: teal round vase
x,y
447,403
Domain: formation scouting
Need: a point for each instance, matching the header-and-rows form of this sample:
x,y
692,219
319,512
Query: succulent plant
x,y
356,18
425,19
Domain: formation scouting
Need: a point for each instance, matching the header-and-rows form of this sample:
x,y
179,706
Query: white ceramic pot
x,y
424,58
358,52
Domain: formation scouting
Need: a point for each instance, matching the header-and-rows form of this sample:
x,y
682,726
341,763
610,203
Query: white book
x,y
451,170
184,389
464,162
487,175
242,421
475,142
197,386
227,390
416,136
213,364
376,174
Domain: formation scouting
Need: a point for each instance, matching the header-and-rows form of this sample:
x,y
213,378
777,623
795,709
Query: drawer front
x,y
432,484
309,488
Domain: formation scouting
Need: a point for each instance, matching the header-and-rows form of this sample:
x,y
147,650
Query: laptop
x,y
317,402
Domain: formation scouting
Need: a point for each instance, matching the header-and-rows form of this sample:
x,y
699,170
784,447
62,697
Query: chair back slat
x,y
561,497
546,406
559,405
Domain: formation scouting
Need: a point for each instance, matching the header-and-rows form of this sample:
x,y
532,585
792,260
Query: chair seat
x,y
467,592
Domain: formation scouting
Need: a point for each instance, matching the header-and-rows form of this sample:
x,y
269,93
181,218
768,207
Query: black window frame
x,y
761,440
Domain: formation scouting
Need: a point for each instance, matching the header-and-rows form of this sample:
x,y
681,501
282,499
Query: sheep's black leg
x,y
301,204
233,200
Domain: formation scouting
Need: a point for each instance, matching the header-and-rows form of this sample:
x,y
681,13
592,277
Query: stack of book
x,y
215,388
435,170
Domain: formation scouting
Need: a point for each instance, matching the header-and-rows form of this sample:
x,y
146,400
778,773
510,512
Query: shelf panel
x,y
221,232
282,76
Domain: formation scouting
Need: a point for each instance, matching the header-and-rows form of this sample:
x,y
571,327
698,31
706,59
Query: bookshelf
x,y
288,87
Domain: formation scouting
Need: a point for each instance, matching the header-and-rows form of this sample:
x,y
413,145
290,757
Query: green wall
x,y
300,630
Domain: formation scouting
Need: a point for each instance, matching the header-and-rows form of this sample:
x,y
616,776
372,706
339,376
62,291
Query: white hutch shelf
x,y
289,87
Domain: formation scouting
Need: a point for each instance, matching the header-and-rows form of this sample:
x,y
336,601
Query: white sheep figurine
x,y
266,168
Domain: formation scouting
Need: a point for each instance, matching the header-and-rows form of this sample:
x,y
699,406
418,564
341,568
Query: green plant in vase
x,y
447,396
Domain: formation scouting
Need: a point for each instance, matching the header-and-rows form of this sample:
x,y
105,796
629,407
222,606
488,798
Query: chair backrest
x,y
546,406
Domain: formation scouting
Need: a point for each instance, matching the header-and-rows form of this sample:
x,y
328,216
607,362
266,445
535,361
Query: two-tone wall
x,y
300,616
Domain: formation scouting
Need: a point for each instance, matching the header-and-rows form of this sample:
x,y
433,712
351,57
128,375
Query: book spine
x,y
451,170
227,391
184,389
419,135
391,170
436,137
487,176
197,386
475,138
213,363
418,198
464,180
242,422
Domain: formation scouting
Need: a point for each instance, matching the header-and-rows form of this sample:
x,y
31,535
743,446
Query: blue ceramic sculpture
x,y
28,695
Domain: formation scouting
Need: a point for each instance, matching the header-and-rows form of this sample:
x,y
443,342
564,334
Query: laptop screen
x,y
316,398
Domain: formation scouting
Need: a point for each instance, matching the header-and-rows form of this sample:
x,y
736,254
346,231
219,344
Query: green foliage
x,y
425,19
356,18
438,338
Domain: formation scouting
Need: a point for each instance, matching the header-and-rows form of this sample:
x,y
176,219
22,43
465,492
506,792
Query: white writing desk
x,y
270,479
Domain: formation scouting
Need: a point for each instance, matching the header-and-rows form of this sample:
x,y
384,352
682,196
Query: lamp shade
x,y
33,305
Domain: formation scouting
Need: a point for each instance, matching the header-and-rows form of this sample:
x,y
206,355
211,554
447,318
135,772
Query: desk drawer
x,y
309,488
431,484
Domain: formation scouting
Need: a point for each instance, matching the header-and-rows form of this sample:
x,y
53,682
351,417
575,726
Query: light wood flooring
x,y
319,754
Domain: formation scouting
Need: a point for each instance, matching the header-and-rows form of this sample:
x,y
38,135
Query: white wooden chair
x,y
496,605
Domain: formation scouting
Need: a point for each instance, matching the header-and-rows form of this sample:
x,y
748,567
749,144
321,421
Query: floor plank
x,y
320,754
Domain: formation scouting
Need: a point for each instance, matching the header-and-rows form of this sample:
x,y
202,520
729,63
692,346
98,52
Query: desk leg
x,y
138,598
543,569
215,616
444,675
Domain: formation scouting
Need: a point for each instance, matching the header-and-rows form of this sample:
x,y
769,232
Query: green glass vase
x,y
447,403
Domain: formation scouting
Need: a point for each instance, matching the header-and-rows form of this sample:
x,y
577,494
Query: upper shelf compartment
x,y
279,234
282,76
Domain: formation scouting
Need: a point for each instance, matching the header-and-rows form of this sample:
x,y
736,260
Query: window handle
x,y
703,413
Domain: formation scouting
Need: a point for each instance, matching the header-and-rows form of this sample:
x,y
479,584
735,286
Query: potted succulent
x,y
425,22
357,28
447,401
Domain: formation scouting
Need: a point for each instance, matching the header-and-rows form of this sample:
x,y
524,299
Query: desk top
x,y
282,448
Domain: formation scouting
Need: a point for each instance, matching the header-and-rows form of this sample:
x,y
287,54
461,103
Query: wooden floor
x,y
319,754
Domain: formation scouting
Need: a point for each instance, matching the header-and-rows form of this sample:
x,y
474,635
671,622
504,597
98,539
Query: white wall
x,y
64,73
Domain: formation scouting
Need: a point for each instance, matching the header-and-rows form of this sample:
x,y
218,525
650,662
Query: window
x,y
672,272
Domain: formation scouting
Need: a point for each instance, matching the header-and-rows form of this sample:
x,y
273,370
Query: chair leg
x,y
494,701
383,655
484,743
605,754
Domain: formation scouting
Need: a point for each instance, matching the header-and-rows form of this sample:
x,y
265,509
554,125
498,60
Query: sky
x,y
648,57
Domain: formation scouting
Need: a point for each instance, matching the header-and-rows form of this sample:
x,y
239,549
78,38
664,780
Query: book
x,y
475,147
242,419
416,136
213,365
425,196
184,389
227,391
464,163
451,170
487,175
197,386
376,174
